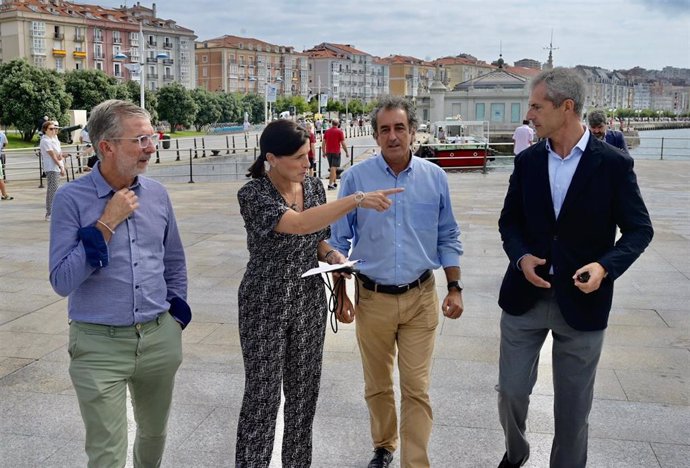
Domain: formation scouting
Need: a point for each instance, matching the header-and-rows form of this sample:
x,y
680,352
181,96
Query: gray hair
x,y
391,103
106,119
562,84
596,118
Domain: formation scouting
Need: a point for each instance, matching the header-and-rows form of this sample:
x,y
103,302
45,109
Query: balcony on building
x,y
79,38
167,45
168,61
78,54
117,40
98,38
59,52
58,36
152,76
168,77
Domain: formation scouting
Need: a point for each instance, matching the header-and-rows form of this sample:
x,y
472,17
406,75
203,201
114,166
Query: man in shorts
x,y
334,139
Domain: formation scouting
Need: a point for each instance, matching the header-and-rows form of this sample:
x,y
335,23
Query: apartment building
x,y
246,65
455,70
409,76
66,36
345,73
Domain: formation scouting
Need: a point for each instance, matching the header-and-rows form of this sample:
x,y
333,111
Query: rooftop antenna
x,y
500,62
549,63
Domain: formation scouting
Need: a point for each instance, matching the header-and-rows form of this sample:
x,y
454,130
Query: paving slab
x,y
641,410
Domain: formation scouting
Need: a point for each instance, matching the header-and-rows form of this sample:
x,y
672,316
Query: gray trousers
x,y
575,355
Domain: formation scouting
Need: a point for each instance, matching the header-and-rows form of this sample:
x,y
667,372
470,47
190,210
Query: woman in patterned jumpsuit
x,y
282,317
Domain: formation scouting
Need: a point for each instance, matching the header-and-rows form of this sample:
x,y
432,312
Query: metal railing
x,y
224,157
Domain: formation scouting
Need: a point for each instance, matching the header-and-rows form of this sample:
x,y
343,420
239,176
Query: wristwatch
x,y
359,198
456,285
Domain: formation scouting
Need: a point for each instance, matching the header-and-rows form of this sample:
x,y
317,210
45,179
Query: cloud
x,y
671,8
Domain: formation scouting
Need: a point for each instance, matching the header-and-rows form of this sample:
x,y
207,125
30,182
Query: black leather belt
x,y
371,285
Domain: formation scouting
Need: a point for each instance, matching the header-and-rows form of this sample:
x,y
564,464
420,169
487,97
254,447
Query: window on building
x,y
117,69
480,111
39,61
204,72
515,112
99,65
204,59
498,111
39,45
38,28
117,39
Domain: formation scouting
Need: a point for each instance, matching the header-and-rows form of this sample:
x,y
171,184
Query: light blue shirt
x,y
145,265
561,171
418,232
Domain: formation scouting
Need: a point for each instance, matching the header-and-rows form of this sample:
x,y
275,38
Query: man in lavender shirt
x,y
115,250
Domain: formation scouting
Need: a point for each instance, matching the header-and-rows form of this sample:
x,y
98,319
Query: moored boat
x,y
458,143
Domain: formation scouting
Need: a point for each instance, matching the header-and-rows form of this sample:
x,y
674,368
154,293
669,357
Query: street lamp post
x,y
121,56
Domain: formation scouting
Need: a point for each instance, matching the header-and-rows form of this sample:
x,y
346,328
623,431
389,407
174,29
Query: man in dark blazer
x,y
566,198
597,125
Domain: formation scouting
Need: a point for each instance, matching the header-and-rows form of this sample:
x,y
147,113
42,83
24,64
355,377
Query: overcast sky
x,y
613,34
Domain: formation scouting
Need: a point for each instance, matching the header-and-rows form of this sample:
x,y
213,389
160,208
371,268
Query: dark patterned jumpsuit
x,y
282,321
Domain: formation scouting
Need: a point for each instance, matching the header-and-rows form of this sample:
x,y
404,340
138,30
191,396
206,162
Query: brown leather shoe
x,y
382,458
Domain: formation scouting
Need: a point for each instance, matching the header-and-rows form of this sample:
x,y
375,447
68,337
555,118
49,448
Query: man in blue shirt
x,y
397,305
115,250
566,198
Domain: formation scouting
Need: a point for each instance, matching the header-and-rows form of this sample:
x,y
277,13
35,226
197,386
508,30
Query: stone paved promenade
x,y
640,418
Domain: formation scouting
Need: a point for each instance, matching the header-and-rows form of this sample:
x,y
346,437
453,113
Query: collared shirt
x,y
145,265
418,232
523,137
561,170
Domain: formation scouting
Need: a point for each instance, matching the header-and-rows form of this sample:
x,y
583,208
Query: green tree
x,y
254,105
370,106
355,107
175,104
27,93
150,99
301,105
209,107
335,106
89,88
231,107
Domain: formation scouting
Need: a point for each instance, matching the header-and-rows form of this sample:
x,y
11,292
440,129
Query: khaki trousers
x,y
104,362
407,322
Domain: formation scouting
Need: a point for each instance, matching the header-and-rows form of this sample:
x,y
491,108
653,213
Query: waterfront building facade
x,y
455,70
528,63
236,64
606,89
409,76
65,36
345,73
499,97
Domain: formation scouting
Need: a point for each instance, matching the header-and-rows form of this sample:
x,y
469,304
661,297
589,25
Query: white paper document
x,y
325,268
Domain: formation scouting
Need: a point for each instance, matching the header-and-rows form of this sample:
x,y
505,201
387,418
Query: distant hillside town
x,y
131,43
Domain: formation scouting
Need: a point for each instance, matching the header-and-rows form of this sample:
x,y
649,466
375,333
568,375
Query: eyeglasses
x,y
144,140
51,128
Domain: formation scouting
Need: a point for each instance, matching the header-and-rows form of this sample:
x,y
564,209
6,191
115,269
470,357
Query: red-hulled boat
x,y
458,143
